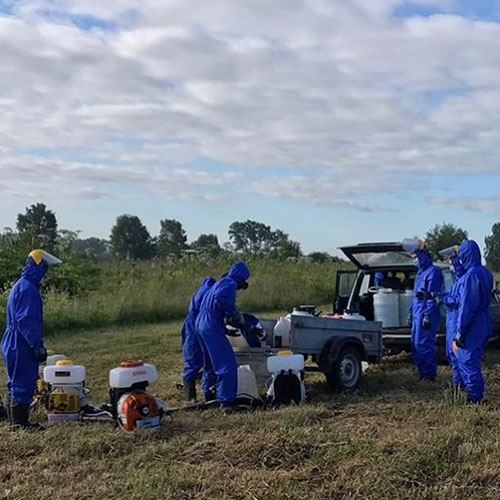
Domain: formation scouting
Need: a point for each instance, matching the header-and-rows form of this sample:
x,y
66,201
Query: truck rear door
x,y
343,287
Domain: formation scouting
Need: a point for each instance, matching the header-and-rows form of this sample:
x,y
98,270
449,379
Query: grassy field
x,y
148,292
394,439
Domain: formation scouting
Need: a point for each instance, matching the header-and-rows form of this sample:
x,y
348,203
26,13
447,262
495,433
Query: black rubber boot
x,y
190,390
4,412
211,396
19,418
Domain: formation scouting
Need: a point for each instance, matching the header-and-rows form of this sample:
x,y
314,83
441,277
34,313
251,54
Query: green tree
x,y
256,238
320,257
93,246
207,244
172,240
442,236
38,226
492,248
130,239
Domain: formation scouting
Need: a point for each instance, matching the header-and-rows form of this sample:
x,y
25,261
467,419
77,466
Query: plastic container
x,y
283,332
386,307
277,363
130,373
64,375
51,360
405,300
411,245
247,382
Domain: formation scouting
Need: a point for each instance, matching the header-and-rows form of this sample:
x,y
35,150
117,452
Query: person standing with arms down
x,y
192,350
218,304
473,319
424,314
22,344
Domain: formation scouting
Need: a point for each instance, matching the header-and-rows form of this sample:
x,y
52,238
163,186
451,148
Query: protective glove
x,y
41,354
426,322
409,320
460,340
423,295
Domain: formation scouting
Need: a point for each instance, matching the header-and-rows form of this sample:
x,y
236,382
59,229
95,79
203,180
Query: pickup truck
x,y
355,291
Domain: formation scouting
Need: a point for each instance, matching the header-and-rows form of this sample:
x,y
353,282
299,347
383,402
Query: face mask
x,y
243,285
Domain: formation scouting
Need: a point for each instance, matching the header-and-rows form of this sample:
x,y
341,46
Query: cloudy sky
x,y
337,121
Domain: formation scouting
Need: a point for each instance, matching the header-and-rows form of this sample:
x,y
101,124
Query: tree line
x,y
131,240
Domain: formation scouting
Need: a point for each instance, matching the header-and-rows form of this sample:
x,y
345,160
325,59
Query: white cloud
x,y
487,205
341,87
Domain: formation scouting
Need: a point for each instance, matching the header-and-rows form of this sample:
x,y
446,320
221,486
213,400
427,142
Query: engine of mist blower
x,y
131,405
65,384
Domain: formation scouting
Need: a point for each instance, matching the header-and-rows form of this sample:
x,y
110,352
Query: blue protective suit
x,y
191,347
219,302
451,300
473,318
24,333
378,279
423,338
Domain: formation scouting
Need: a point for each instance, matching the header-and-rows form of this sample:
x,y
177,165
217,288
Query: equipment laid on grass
x,y
131,406
42,388
65,385
287,382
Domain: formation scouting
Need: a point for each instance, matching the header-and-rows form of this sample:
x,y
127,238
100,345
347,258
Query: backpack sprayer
x,y
65,393
131,405
287,379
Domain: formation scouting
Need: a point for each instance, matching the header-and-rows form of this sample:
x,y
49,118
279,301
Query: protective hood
x,y
470,254
424,258
239,272
208,282
33,272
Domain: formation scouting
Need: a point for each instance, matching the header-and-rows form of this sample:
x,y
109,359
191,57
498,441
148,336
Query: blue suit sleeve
x,y
29,317
469,303
450,300
434,285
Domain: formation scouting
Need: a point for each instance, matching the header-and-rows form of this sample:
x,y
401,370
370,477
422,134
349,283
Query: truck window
x,y
365,284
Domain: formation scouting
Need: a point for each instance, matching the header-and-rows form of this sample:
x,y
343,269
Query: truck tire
x,y
345,372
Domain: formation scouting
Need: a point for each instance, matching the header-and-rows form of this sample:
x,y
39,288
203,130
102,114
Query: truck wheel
x,y
346,371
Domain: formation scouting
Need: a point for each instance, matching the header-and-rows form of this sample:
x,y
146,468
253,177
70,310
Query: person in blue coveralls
x,y
22,344
424,314
451,301
218,305
473,324
192,350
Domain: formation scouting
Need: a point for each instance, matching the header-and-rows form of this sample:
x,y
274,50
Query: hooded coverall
x,y
191,348
24,333
219,302
425,316
473,318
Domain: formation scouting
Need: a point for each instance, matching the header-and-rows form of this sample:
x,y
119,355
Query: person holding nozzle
x,y
218,306
192,350
22,344
424,314
473,324
451,300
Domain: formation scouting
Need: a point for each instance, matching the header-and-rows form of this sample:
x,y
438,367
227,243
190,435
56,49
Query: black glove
x,y
426,322
460,340
424,295
41,354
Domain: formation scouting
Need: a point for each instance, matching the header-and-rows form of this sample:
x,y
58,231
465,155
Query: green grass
x,y
151,292
393,439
